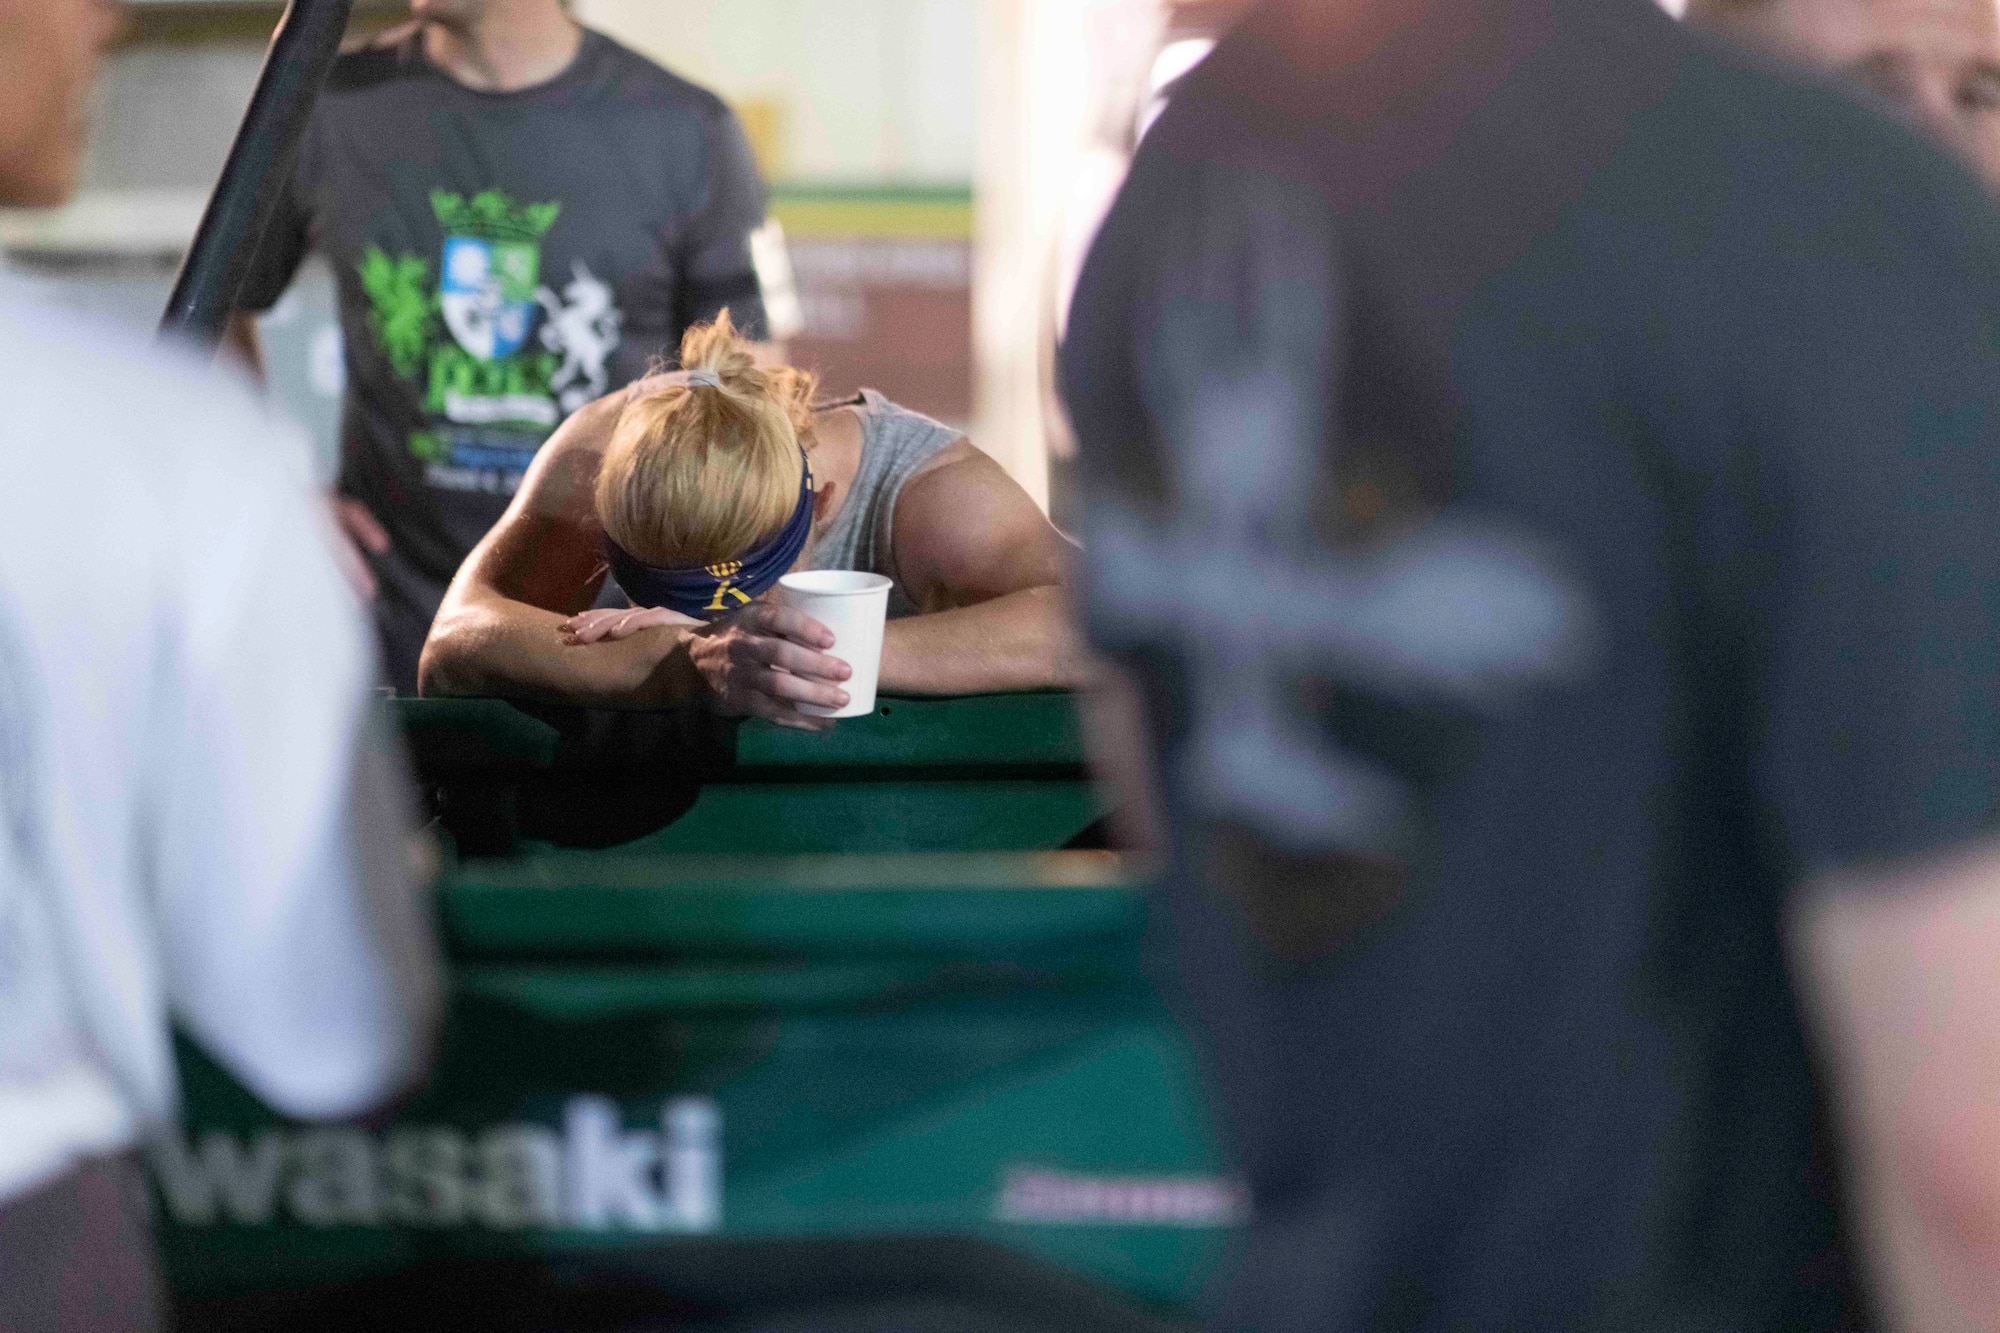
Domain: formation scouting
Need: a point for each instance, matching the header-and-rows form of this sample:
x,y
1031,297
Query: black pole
x,y
260,162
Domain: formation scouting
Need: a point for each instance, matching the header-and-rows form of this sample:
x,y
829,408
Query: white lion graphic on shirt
x,y
583,325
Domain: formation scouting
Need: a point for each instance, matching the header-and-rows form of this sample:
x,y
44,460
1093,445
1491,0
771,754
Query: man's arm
x,y
1879,736
490,639
1122,761
987,569
1901,973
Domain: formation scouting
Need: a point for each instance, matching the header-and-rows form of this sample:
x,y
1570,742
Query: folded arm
x,y
986,568
1902,976
499,630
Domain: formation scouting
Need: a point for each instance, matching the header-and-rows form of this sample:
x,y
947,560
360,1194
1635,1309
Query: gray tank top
x,y
895,442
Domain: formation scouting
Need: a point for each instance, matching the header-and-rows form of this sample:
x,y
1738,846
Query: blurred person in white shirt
x,y
194,819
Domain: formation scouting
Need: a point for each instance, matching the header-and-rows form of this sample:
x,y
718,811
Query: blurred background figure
x,y
1538,469
191,821
1938,60
521,215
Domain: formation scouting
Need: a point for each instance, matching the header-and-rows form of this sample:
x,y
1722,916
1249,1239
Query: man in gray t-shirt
x,y
519,222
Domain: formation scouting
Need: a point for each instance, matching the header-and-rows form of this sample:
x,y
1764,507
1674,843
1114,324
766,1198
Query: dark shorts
x,y
76,1256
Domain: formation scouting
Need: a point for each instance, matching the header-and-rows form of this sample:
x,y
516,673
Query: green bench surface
x,y
1038,730
982,731
591,903
981,773
890,1047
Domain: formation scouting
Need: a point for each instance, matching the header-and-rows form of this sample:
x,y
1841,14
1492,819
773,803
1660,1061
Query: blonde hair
x,y
700,474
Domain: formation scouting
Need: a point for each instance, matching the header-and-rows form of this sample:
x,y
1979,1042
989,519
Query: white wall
x,y
1060,81
162,121
165,115
871,90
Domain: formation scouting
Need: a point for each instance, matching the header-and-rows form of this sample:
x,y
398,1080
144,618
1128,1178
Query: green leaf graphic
x,y
400,307
490,215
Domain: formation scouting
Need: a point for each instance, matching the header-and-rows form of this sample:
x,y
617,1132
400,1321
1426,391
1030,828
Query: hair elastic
x,y
704,378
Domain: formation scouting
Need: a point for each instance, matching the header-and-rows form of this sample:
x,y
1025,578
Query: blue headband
x,y
710,591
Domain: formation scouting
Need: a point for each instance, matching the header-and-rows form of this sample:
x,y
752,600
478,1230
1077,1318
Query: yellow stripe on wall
x,y
818,212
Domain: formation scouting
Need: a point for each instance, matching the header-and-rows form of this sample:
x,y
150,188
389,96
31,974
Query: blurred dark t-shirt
x,y
1676,383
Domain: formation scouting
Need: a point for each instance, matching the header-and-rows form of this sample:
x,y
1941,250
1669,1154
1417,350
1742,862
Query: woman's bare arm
x,y
499,629
987,570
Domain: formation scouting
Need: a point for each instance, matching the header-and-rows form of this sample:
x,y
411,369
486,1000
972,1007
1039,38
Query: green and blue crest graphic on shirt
x,y
500,358
492,261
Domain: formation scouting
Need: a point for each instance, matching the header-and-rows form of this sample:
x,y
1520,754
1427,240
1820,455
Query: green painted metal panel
x,y
991,772
998,730
1118,1106
889,1046
474,735
851,1122
570,903
801,818
583,993
1033,730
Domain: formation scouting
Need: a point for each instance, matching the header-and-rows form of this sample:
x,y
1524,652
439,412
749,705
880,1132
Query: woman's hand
x,y
763,661
610,624
760,662
767,659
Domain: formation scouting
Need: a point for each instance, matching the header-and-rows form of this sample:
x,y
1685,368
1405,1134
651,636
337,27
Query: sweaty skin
x,y
1937,59
982,563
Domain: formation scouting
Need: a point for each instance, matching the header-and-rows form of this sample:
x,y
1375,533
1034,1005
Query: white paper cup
x,y
855,607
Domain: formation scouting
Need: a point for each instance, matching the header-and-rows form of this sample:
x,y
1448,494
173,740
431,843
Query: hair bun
x,y
691,479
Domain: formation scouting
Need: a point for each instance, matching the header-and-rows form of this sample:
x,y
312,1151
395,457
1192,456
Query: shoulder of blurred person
x,y
640,76
163,457
378,58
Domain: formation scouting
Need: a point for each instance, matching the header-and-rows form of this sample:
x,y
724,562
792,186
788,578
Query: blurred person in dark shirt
x,y
1539,474
1938,60
194,821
